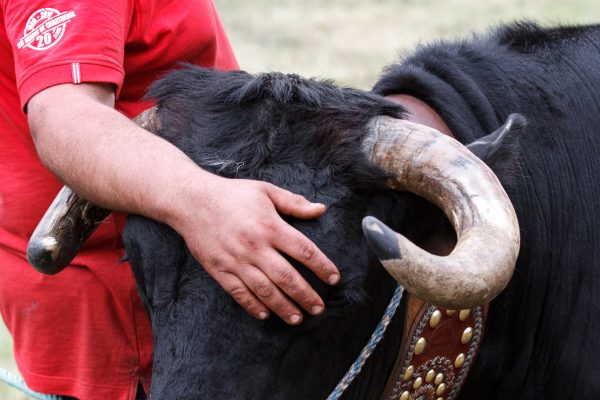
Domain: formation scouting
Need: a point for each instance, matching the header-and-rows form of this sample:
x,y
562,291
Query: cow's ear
x,y
500,149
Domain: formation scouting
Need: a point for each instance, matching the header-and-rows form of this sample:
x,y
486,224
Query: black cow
x,y
307,136
302,135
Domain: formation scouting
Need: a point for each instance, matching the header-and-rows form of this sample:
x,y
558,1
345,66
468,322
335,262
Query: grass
x,y
349,41
7,362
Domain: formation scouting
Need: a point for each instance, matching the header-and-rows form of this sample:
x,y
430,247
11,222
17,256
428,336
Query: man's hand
x,y
231,226
238,236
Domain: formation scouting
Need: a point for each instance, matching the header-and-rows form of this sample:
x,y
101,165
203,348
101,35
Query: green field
x,y
349,41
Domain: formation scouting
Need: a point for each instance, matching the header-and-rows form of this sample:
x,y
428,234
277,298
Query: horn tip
x,y
382,240
43,255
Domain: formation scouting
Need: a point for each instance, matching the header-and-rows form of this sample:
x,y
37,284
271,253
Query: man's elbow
x,y
39,120
58,112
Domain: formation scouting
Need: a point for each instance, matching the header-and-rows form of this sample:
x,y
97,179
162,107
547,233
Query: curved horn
x,y
71,220
440,169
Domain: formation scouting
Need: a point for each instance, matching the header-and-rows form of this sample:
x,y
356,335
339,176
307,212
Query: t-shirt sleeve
x,y
61,41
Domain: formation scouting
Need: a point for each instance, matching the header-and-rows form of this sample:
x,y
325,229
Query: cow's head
x,y
342,147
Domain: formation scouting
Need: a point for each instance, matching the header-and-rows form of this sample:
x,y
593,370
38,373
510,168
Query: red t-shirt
x,y
82,332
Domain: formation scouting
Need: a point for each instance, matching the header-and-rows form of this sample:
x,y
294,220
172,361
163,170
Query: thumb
x,y
295,205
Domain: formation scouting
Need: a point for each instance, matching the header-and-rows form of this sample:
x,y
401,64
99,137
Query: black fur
x,y
541,339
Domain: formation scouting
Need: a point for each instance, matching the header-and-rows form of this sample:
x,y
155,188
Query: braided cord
x,y
473,349
17,382
366,352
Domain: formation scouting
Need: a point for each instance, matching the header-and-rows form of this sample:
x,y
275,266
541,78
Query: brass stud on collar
x,y
409,372
438,378
404,396
430,375
440,389
460,360
467,335
440,398
450,312
435,318
420,346
464,314
417,383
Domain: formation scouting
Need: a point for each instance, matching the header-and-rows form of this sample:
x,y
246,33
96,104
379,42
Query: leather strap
x,y
438,349
439,346
421,113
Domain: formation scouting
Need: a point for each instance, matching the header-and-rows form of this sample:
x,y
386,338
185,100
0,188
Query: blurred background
x,y
350,41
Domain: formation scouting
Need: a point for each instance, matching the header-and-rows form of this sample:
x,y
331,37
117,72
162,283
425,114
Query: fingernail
x,y
295,318
316,204
316,310
263,315
333,279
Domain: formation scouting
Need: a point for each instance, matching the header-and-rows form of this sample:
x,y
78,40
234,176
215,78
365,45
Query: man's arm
x,y
231,226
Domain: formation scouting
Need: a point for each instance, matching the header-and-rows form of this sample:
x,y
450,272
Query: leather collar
x,y
421,113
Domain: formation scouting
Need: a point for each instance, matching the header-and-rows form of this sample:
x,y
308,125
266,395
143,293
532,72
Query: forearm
x,y
106,158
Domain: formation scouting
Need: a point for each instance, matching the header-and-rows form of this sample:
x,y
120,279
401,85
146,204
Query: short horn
x,y
71,220
62,231
438,168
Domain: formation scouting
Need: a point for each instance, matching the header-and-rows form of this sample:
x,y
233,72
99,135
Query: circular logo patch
x,y
45,28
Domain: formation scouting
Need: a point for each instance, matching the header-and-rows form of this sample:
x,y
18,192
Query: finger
x,y
300,248
287,278
242,295
266,291
293,204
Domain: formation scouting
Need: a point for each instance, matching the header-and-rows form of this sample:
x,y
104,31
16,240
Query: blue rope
x,y
371,344
18,383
